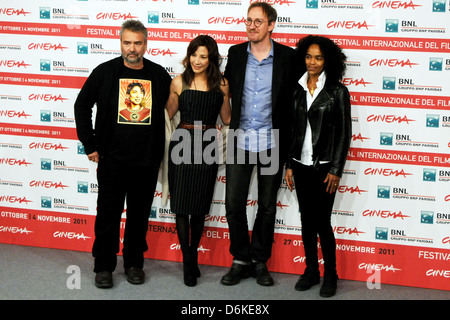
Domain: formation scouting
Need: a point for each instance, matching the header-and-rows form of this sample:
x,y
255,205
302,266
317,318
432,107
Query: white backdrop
x,y
392,213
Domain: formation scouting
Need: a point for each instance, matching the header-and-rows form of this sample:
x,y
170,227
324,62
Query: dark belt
x,y
185,125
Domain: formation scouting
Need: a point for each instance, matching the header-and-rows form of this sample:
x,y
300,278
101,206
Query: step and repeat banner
x,y
392,212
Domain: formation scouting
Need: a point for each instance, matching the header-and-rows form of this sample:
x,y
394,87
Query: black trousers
x,y
316,206
117,185
259,247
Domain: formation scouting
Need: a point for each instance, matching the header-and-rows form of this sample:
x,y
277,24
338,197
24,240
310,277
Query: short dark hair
x,y
135,26
268,10
333,56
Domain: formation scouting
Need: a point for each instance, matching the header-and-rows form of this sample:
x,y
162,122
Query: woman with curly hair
x,y
320,142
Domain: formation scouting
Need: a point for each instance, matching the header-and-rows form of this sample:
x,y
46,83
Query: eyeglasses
x,y
258,22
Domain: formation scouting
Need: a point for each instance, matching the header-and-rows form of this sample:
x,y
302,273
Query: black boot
x,y
329,285
309,278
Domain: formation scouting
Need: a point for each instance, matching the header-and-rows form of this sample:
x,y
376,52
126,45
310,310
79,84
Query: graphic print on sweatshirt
x,y
135,102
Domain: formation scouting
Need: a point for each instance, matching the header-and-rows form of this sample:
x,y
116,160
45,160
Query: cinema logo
x,y
14,114
386,172
384,214
14,12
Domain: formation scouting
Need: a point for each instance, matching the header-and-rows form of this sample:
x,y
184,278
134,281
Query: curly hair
x,y
333,56
213,73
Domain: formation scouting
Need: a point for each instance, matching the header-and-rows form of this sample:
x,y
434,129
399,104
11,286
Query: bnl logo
x,y
391,25
44,13
439,5
432,121
193,2
46,202
436,64
429,174
44,65
386,138
312,4
384,192
82,187
82,48
153,16
388,83
80,148
426,217
381,233
46,164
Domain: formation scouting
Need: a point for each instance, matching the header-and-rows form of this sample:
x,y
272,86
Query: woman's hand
x,y
288,177
333,182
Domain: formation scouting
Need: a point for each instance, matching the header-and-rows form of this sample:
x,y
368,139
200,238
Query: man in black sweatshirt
x,y
127,142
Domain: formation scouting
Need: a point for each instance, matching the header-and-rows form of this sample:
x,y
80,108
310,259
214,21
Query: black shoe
x,y
262,275
135,275
307,280
329,286
236,273
103,280
190,274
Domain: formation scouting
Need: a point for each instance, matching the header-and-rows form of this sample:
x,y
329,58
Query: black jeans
x,y
316,206
117,184
259,247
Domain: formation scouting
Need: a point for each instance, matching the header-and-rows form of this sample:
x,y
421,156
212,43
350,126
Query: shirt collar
x,y
320,83
271,49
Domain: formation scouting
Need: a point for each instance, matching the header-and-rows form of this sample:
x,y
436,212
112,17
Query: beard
x,y
137,59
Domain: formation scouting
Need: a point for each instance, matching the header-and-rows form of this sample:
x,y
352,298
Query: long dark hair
x,y
334,57
213,73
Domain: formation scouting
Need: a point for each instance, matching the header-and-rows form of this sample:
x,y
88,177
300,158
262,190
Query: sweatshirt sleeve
x,y
84,103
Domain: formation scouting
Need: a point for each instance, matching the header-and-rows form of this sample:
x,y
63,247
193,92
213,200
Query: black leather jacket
x,y
331,126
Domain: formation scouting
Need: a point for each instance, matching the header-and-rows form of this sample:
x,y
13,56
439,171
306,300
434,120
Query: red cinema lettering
x,y
386,172
47,146
226,20
160,52
395,4
46,46
446,240
221,219
47,184
388,118
14,199
391,63
343,230
114,16
46,97
385,214
344,189
358,137
14,162
12,12
355,82
13,63
274,2
280,205
348,25
14,114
